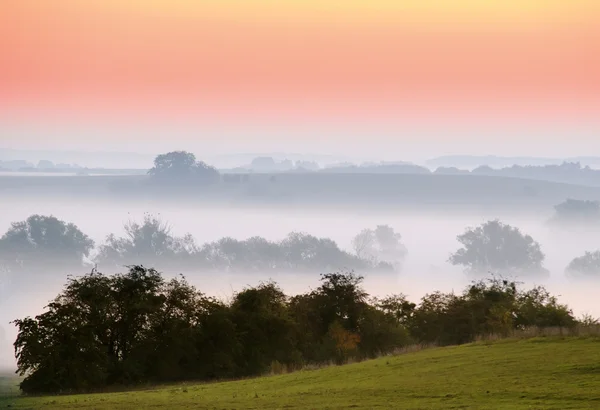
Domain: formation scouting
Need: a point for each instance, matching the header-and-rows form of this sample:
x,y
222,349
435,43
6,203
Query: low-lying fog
x,y
430,238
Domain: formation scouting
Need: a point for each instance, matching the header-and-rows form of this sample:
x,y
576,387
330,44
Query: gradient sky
x,y
415,75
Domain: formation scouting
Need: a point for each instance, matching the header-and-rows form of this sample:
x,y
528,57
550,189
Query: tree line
x,y
42,243
104,331
181,167
45,241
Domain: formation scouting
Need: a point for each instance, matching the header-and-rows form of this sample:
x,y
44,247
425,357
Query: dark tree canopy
x,y
494,306
137,327
499,248
182,166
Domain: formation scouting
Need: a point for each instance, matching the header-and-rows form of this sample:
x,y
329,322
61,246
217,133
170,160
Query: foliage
x,y
574,211
585,265
126,329
497,247
495,306
381,246
46,240
150,241
153,242
182,166
102,331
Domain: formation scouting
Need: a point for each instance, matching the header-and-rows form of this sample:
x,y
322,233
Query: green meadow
x,y
537,373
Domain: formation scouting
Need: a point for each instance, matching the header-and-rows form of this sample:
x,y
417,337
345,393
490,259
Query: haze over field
x,y
104,91
430,238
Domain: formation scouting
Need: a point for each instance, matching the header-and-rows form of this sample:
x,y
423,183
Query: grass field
x,y
538,373
9,385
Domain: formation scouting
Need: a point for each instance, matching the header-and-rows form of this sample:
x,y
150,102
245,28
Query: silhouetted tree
x,y
43,241
309,252
182,166
496,247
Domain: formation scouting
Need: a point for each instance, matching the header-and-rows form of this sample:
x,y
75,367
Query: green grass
x,y
9,385
539,373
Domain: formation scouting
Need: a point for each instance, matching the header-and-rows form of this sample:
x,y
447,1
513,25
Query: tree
x,y
137,327
150,242
43,241
364,244
266,330
498,248
311,253
491,307
182,166
345,342
380,246
263,164
102,331
390,245
587,265
573,212
342,299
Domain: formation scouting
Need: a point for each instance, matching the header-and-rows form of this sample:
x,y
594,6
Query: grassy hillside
x,y
539,373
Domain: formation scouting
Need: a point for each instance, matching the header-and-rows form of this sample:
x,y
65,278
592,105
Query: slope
x,y
540,373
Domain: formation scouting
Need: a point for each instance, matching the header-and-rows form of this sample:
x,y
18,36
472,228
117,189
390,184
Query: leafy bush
x,y
137,327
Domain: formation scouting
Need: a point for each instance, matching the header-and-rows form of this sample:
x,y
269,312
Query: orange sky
x,y
315,60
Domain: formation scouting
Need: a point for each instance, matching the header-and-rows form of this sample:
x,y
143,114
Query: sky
x,y
385,77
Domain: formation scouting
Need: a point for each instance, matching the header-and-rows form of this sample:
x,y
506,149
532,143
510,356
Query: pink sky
x,y
64,61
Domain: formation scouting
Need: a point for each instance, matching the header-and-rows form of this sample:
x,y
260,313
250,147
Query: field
x,y
9,384
335,190
538,373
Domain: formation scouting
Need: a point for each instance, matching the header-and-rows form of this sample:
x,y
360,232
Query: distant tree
x,y
381,245
499,248
42,241
364,244
182,166
45,164
309,252
587,265
264,164
577,212
150,241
